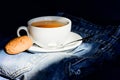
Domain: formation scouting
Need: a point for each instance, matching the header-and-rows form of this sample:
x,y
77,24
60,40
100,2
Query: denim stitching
x,y
101,31
20,71
4,72
17,73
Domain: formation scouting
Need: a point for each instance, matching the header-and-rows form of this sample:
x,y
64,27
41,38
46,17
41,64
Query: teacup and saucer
x,y
50,32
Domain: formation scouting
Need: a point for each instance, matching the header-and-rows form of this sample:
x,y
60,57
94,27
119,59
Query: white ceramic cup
x,y
47,37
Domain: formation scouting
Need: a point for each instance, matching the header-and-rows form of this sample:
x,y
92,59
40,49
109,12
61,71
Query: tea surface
x,y
48,24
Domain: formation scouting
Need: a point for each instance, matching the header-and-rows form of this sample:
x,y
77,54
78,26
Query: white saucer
x,y
72,37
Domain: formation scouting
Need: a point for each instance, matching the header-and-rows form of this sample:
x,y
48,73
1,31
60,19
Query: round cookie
x,y
18,45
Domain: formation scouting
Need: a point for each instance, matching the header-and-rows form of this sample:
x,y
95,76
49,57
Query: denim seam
x,y
20,71
3,71
23,70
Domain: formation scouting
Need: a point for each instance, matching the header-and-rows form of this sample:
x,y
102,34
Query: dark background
x,y
101,12
16,13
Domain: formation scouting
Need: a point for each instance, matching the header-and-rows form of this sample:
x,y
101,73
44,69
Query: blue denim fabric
x,y
104,45
28,65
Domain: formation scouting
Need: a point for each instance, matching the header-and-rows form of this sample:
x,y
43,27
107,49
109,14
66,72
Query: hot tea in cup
x,y
48,24
48,31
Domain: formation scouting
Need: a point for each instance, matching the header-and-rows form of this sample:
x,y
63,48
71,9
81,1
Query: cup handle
x,y
22,28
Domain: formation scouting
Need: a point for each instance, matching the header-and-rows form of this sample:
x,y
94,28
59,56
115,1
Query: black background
x,y
16,13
